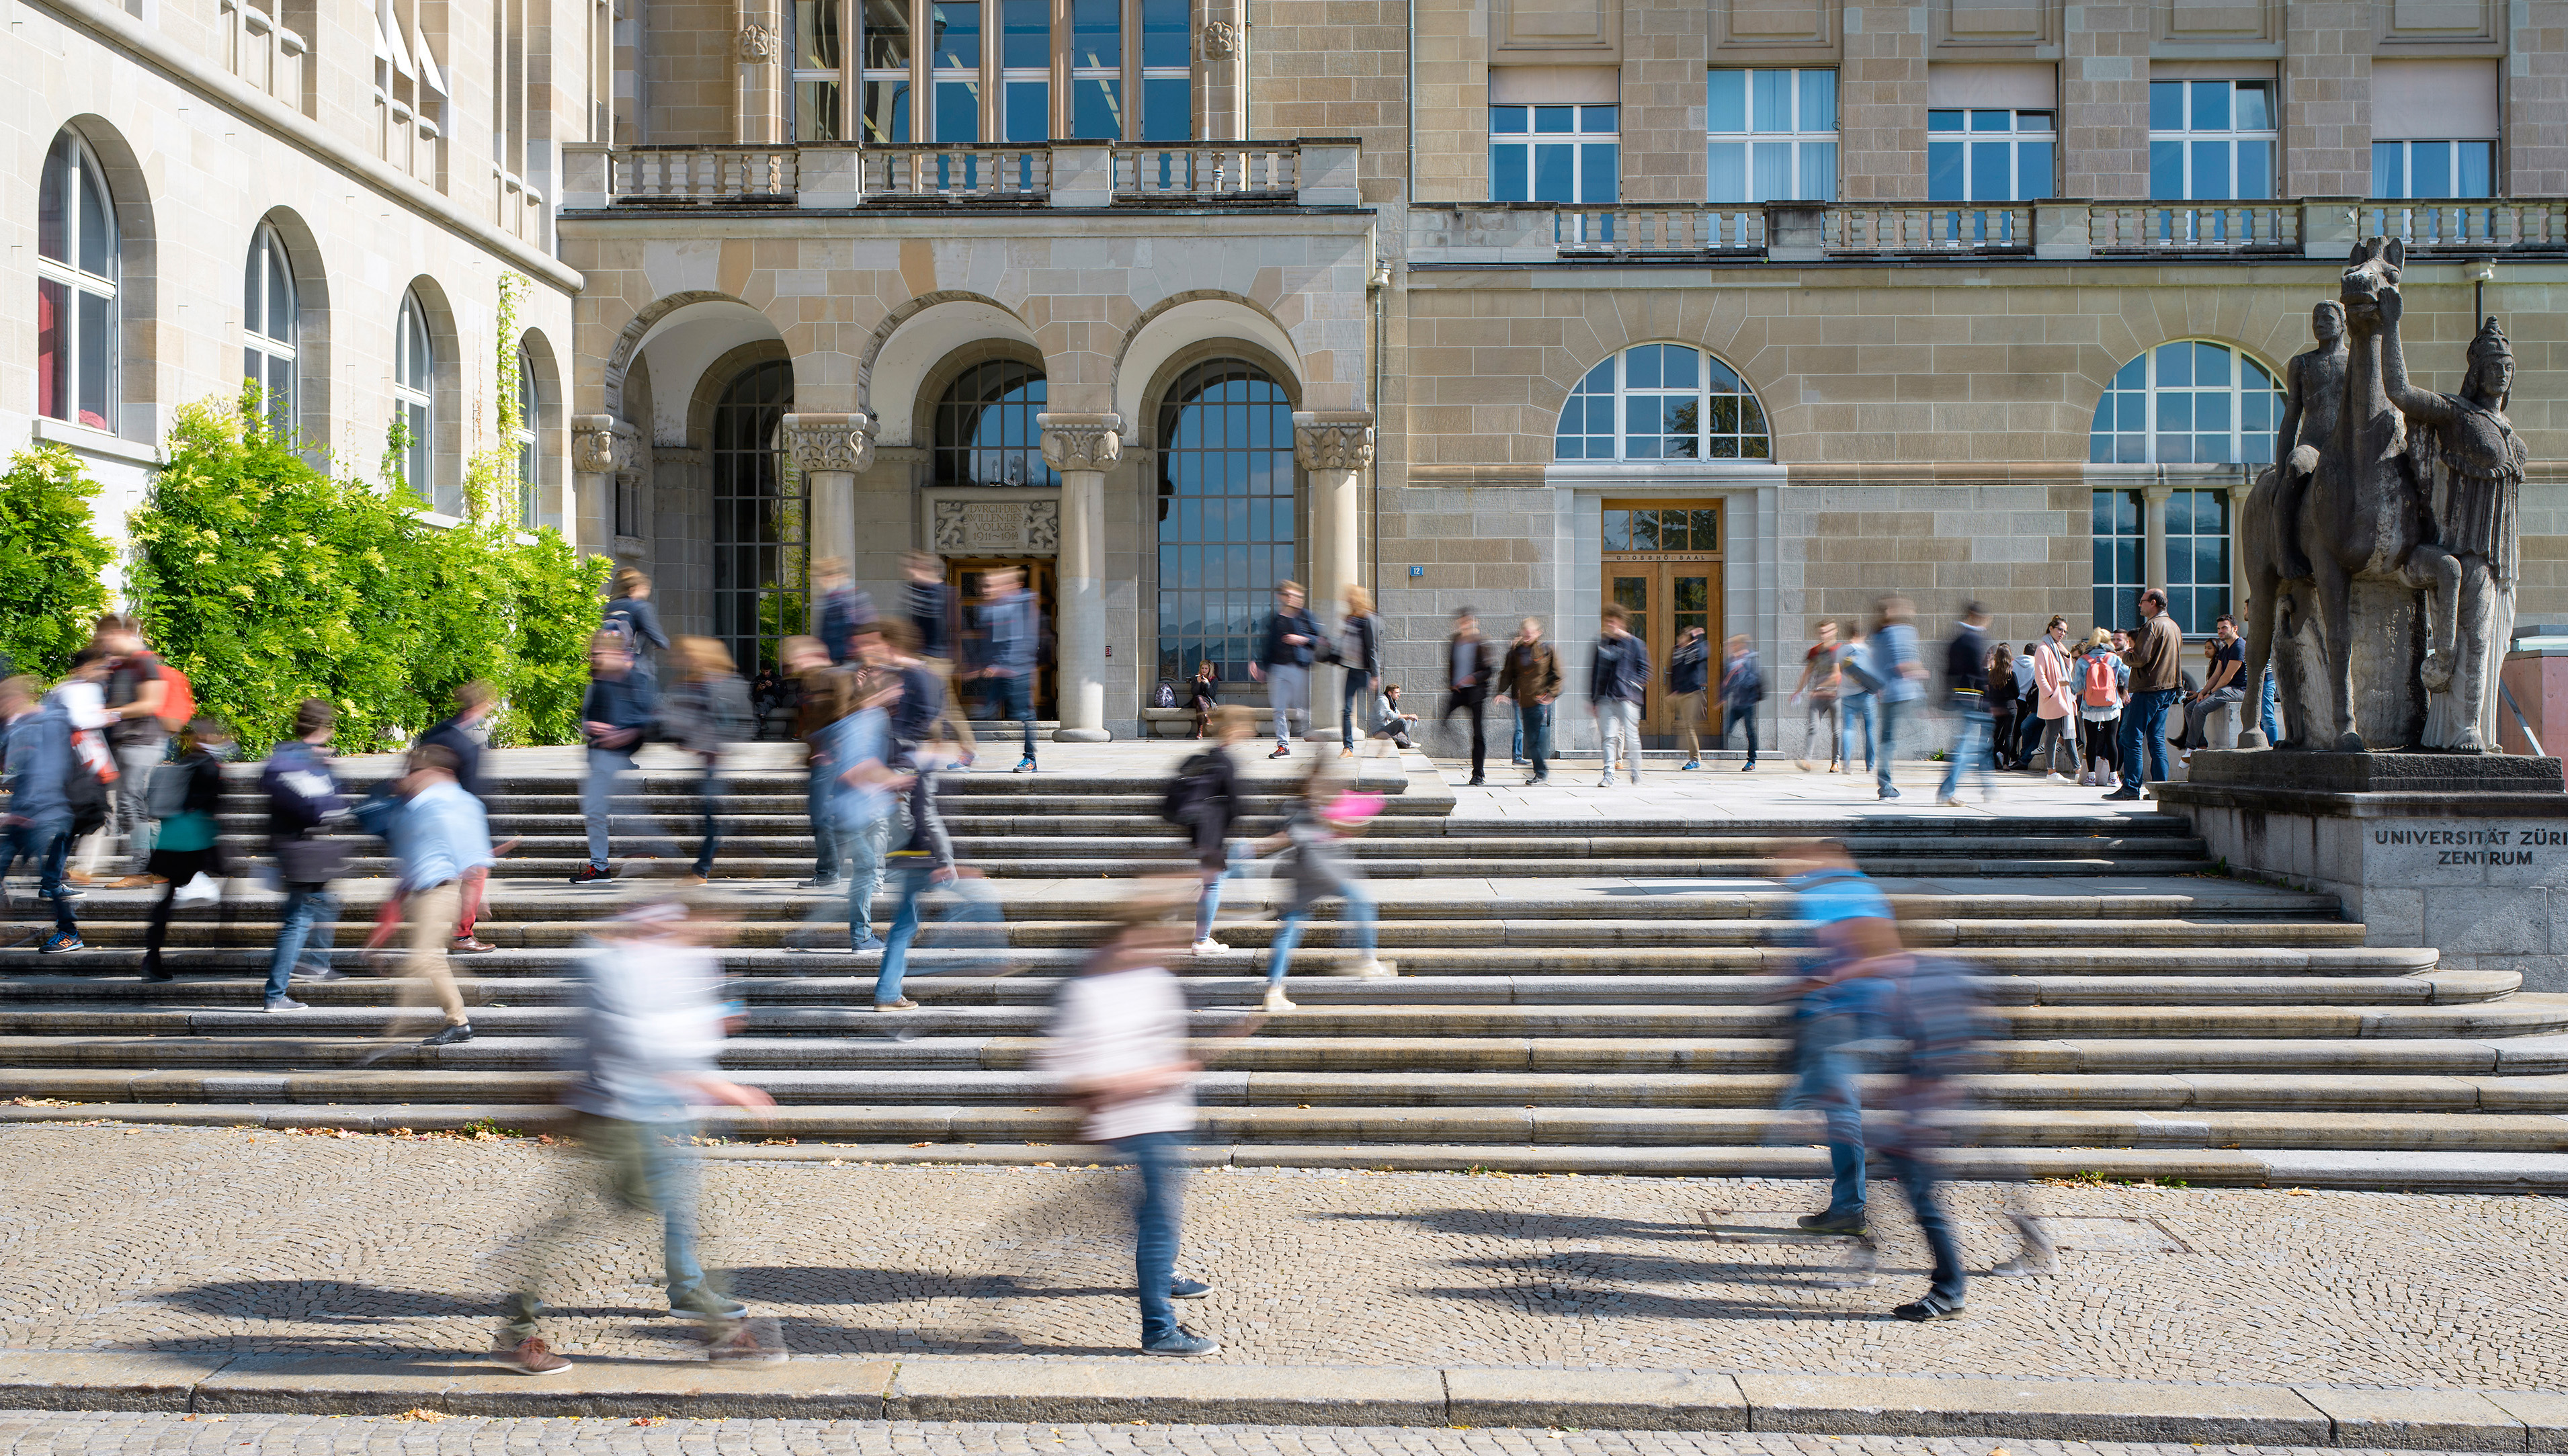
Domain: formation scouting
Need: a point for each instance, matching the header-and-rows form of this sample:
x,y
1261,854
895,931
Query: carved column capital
x,y
2157,493
1080,442
1220,40
1333,440
601,444
755,43
830,443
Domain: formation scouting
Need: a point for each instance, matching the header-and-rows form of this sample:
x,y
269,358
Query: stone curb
x,y
1170,1393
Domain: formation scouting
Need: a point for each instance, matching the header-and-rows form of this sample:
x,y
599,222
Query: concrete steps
x,y
1576,995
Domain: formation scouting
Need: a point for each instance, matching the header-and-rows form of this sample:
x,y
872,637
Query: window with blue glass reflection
x,y
2189,402
2211,140
1226,515
1555,153
1662,402
1771,136
985,427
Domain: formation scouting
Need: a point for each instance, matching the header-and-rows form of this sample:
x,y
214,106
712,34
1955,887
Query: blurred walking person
x,y
1743,691
187,846
137,691
867,793
931,624
1618,677
1999,668
303,798
1285,646
1471,673
439,835
82,697
1894,662
2158,666
1530,677
1966,697
465,733
1817,691
649,1036
843,612
1857,693
825,694
1205,801
1012,651
1830,1012
2102,686
630,616
705,713
1689,685
615,714
2054,702
925,861
1359,652
1322,818
1116,1047
37,762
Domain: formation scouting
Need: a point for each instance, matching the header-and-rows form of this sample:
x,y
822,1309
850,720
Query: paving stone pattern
x,y
219,1240
45,1434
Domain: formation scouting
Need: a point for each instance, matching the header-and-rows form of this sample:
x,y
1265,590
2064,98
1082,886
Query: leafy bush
x,y
50,559
268,582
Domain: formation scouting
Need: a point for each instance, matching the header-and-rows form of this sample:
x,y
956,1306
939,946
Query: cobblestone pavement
x,y
44,1433
209,1240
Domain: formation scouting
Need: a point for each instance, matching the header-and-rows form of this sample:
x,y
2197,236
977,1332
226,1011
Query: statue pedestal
x,y
2465,853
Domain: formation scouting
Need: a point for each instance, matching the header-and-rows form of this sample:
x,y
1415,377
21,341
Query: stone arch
x,y
629,339
1747,424
922,336
312,353
550,425
2250,405
137,261
1141,430
717,377
677,348
446,411
1182,324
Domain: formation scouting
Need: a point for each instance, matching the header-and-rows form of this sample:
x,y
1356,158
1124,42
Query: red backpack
x,y
178,697
2099,679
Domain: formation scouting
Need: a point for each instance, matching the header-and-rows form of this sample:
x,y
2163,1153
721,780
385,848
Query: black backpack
x,y
1189,791
88,797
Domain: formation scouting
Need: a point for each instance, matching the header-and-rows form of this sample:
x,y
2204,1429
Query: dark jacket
x,y
640,620
1619,669
2157,656
1965,667
1218,809
1743,680
1484,670
621,702
922,703
1689,665
1012,634
701,714
928,603
459,741
1359,645
1204,693
302,793
38,750
1273,650
1529,673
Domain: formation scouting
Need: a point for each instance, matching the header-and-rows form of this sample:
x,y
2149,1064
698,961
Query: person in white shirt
x,y
1116,1045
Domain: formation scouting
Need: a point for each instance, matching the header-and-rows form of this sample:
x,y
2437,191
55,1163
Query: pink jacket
x,y
2051,687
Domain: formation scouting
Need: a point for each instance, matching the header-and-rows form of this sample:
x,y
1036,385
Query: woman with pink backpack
x,y
2103,684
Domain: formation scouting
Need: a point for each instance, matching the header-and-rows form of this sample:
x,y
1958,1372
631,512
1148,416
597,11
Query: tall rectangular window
x,y
818,53
1987,156
2120,535
2434,170
2197,548
2211,140
1555,153
1167,78
1771,135
887,53
1025,60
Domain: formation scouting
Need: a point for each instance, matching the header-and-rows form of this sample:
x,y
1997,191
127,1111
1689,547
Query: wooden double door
x,y
965,592
1666,590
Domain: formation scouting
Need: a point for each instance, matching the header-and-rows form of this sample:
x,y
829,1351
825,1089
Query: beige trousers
x,y
944,668
433,917
1687,709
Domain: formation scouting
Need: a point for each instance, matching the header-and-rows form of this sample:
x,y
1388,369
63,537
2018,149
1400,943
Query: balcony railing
x,y
1310,173
2062,230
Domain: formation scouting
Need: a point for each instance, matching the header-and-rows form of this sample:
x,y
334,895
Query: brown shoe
x,y
904,1004
529,1356
82,878
465,945
743,1346
137,882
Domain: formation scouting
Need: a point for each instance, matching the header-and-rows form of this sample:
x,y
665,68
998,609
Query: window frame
x,y
1241,584
2250,428
527,438
2196,605
2113,546
415,398
1967,141
77,331
267,265
886,110
1752,439
2406,146
1586,142
956,422
2188,140
1799,139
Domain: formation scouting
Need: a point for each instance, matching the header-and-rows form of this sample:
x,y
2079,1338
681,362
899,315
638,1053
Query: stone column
x,y
2153,560
602,448
1333,447
1221,64
758,88
1082,447
2238,492
829,450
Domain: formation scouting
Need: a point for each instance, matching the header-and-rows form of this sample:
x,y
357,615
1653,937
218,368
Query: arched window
x,y
414,406
1226,515
985,427
76,274
761,521
523,437
1662,402
2189,402
270,325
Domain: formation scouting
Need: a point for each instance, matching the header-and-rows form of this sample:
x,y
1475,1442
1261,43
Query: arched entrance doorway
x,y
762,520
1229,515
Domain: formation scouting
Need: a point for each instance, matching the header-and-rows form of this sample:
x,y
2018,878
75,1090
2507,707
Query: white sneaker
x,y
1606,782
1378,969
1275,1000
1209,946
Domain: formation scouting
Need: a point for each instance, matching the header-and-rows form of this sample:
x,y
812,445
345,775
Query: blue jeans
x,y
47,843
818,797
1971,748
1885,738
1854,725
865,849
917,877
1917,1177
2268,717
1359,916
1355,707
1533,736
606,771
310,915
1739,715
1015,694
1824,1077
1208,899
1156,1212
708,795
647,1167
2145,722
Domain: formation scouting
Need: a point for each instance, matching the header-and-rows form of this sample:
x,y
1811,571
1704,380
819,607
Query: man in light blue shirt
x,y
442,833
1903,682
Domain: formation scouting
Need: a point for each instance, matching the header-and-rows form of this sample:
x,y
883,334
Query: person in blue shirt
x,y
614,716
1012,650
1894,664
36,751
440,836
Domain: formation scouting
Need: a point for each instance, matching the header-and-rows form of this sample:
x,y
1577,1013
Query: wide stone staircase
x,y
1573,998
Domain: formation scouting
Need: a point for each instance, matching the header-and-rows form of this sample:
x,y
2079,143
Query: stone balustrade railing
x,y
2062,230
1309,172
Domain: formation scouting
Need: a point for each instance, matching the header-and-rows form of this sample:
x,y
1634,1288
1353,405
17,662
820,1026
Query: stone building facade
x,y
1740,312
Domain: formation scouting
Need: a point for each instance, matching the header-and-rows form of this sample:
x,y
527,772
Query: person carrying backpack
x,y
37,759
707,712
2103,682
138,691
303,798
1966,694
1689,679
467,734
1323,817
615,714
187,795
1203,800
1743,688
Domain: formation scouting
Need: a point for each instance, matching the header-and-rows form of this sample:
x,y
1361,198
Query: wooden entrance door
x,y
964,576
1662,564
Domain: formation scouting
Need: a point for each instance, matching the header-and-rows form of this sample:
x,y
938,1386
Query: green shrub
x,y
267,581
50,559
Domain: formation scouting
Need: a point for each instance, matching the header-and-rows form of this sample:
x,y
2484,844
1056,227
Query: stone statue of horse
x,y
2365,521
